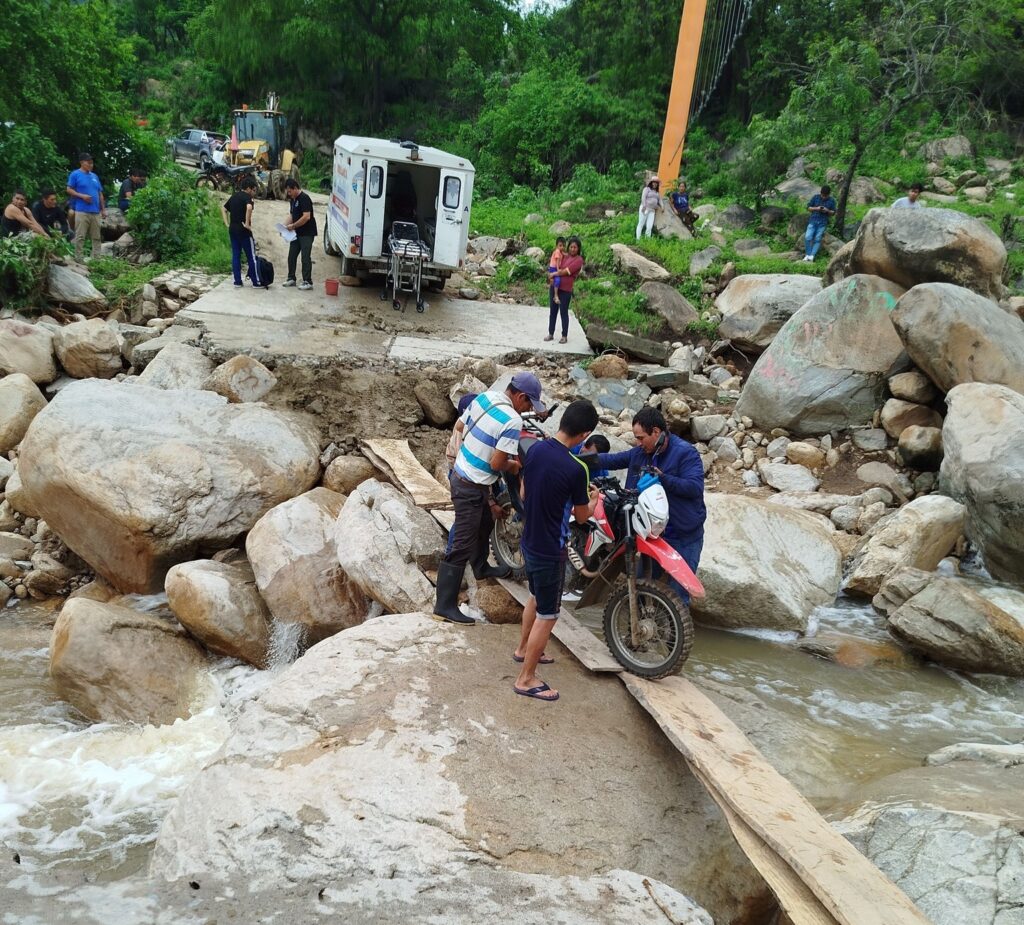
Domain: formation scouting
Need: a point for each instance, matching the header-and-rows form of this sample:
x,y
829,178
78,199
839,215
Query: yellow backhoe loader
x,y
259,137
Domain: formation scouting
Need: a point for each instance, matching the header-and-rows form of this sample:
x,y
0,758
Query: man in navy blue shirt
x,y
552,478
682,475
822,207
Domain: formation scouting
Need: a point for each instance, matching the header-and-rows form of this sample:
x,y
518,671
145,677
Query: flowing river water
x,y
81,804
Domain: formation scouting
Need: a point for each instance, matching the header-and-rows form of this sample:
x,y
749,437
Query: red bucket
x,y
331,286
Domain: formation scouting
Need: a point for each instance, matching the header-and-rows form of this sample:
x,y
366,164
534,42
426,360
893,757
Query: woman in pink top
x,y
650,203
568,269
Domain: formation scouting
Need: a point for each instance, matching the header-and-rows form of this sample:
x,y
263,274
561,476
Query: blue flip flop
x,y
535,693
544,659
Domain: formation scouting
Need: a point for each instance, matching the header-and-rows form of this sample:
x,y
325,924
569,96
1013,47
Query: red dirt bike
x,y
646,625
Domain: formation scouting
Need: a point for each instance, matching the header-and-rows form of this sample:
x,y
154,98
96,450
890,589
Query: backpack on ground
x,y
266,271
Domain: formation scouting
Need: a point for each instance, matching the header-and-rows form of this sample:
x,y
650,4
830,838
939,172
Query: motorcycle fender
x,y
673,563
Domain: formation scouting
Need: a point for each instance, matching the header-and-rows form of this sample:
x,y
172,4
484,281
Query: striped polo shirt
x,y
490,423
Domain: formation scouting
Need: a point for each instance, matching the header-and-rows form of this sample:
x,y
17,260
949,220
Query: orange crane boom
x,y
684,73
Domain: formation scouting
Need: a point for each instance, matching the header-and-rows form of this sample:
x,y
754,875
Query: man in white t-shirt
x,y
910,201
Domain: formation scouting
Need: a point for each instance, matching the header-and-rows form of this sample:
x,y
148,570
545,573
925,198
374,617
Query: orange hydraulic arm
x,y
691,28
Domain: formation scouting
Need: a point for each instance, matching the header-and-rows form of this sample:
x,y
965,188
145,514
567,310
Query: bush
x,y
167,214
23,263
29,161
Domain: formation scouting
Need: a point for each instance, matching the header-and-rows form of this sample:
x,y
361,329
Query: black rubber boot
x,y
449,581
483,569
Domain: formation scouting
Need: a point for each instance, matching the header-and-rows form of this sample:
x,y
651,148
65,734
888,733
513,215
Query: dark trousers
x,y
303,244
241,243
560,300
473,522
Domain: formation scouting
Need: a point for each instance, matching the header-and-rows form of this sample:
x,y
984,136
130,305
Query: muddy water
x,y
81,805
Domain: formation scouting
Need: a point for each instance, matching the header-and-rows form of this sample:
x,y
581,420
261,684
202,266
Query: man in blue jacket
x,y
682,476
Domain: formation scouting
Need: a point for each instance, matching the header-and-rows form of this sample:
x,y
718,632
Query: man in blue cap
x,y
490,429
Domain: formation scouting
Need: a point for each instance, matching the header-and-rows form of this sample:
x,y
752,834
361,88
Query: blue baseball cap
x,y
529,385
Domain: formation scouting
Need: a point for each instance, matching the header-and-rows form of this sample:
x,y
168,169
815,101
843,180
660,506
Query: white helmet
x,y
650,516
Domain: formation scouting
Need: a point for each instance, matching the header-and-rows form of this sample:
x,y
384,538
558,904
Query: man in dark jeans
x,y
490,428
682,475
553,478
304,225
237,212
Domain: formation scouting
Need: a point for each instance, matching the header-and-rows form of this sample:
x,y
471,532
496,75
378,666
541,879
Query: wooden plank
x,y
794,896
396,460
587,648
847,885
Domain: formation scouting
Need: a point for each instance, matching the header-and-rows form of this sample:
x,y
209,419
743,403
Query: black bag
x,y
265,269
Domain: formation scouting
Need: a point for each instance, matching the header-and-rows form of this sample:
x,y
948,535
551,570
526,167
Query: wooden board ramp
x,y
587,648
396,461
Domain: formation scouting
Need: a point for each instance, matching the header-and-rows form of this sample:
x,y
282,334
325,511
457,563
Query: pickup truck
x,y
196,146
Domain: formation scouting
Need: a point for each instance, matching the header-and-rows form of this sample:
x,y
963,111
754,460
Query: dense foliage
x,y
167,214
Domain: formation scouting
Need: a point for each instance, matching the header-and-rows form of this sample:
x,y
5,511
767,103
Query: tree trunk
x,y
844,195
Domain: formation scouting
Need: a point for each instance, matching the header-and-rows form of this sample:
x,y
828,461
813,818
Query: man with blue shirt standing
x,y
490,429
86,192
553,478
822,207
682,475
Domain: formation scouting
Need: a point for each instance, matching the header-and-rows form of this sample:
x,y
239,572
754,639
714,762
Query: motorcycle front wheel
x,y
505,539
666,629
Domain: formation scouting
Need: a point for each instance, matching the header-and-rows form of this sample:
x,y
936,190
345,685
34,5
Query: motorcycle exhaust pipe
x,y
577,563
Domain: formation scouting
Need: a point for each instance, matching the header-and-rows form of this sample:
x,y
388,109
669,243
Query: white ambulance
x,y
377,183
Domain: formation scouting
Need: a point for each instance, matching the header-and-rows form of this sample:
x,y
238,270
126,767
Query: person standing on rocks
x,y
822,207
553,478
491,428
237,213
86,192
304,225
681,472
911,200
650,204
563,278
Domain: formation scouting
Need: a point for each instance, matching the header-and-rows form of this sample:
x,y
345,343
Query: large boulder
x,y
217,602
735,216
178,366
27,348
384,542
633,264
973,625
20,402
669,303
957,336
372,768
796,568
826,368
755,306
294,557
344,474
669,225
136,479
89,349
798,188
919,535
437,407
66,287
938,149
912,246
983,466
949,837
118,665
897,415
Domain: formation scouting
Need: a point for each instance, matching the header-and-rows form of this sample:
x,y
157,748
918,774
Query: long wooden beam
x,y
684,74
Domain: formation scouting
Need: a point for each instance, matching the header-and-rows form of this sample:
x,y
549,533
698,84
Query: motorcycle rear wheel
x,y
663,616
505,537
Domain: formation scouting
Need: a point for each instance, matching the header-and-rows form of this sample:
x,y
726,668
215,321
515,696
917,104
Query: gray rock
x,y
633,264
755,306
913,246
177,366
653,351
870,439
560,227
956,336
736,216
798,188
777,448
436,406
89,349
27,348
845,517
752,247
913,386
703,259
956,146
921,448
727,451
676,311
826,368
983,466
66,287
884,476
704,427
897,415
788,477
469,293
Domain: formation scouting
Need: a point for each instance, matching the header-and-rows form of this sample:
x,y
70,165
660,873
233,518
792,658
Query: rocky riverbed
x,y
224,676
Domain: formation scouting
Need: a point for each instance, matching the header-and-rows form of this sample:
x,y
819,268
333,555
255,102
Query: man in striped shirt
x,y
490,429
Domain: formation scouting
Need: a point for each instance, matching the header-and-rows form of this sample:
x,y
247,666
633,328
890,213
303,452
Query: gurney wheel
x,y
384,295
421,306
396,304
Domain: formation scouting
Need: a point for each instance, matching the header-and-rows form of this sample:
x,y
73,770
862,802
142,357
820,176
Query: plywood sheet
x,y
397,462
